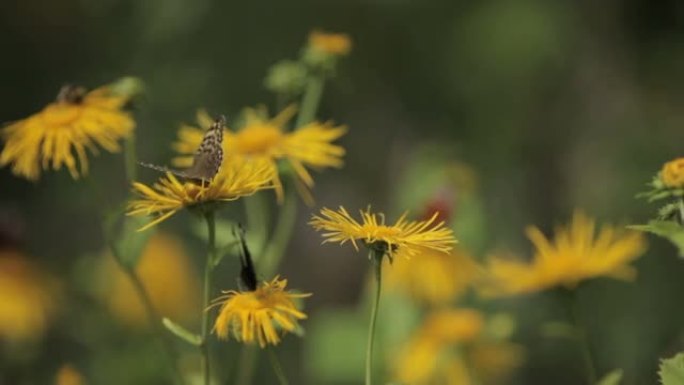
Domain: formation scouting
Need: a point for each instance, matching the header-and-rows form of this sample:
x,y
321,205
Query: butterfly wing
x,y
209,156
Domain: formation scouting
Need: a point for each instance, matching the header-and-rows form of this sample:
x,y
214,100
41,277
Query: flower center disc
x,y
60,114
258,138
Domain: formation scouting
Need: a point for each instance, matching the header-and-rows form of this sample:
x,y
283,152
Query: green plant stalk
x,y
282,233
211,255
277,368
312,97
377,267
258,220
582,338
246,365
153,317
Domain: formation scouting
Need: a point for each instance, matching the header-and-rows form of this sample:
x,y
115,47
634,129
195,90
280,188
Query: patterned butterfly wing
x,y
209,156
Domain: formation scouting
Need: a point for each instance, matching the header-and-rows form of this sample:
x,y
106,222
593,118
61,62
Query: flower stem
x,y
277,368
153,317
311,99
281,235
582,338
246,365
377,265
211,255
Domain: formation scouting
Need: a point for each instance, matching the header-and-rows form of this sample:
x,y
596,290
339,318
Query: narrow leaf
x,y
182,333
612,378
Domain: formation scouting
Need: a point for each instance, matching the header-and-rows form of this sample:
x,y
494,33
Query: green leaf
x,y
612,378
669,230
672,370
558,329
182,333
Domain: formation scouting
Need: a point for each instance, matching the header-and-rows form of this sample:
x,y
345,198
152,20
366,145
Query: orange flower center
x,y
260,138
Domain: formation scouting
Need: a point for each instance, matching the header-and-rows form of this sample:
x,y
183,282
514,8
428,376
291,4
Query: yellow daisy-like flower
x,y
60,134
236,179
672,173
168,275
267,140
406,238
574,255
330,43
69,375
257,315
448,339
434,277
27,298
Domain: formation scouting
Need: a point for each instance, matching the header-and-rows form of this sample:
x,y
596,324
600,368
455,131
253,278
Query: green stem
x,y
153,317
211,255
582,338
681,210
281,235
377,265
130,159
258,221
310,100
277,368
246,365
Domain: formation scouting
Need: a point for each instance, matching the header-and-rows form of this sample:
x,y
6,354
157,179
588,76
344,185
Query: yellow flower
x,y
330,43
60,133
68,375
406,238
448,339
267,140
574,255
434,277
257,315
672,173
236,179
168,275
27,298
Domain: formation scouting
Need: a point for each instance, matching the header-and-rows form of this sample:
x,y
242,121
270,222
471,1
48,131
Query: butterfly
x,y
207,159
248,278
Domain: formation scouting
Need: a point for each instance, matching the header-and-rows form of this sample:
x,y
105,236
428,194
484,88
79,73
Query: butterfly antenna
x,y
247,272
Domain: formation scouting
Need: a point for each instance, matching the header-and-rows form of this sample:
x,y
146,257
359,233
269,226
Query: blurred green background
x,y
554,104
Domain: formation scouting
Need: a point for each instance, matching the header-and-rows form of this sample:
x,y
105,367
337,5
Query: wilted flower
x,y
266,140
60,134
574,255
236,179
261,315
167,274
406,238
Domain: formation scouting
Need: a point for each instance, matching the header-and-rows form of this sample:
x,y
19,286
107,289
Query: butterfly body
x,y
207,159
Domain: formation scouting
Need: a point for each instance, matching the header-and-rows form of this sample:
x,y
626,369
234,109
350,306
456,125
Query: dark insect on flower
x,y
208,157
71,94
247,273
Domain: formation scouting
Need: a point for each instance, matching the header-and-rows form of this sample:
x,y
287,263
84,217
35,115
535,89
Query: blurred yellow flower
x,y
60,133
672,173
169,277
574,255
330,43
266,140
68,375
235,179
448,339
406,238
434,277
27,298
257,315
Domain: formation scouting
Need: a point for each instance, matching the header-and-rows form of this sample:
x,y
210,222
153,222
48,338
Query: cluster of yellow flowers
x,y
260,153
